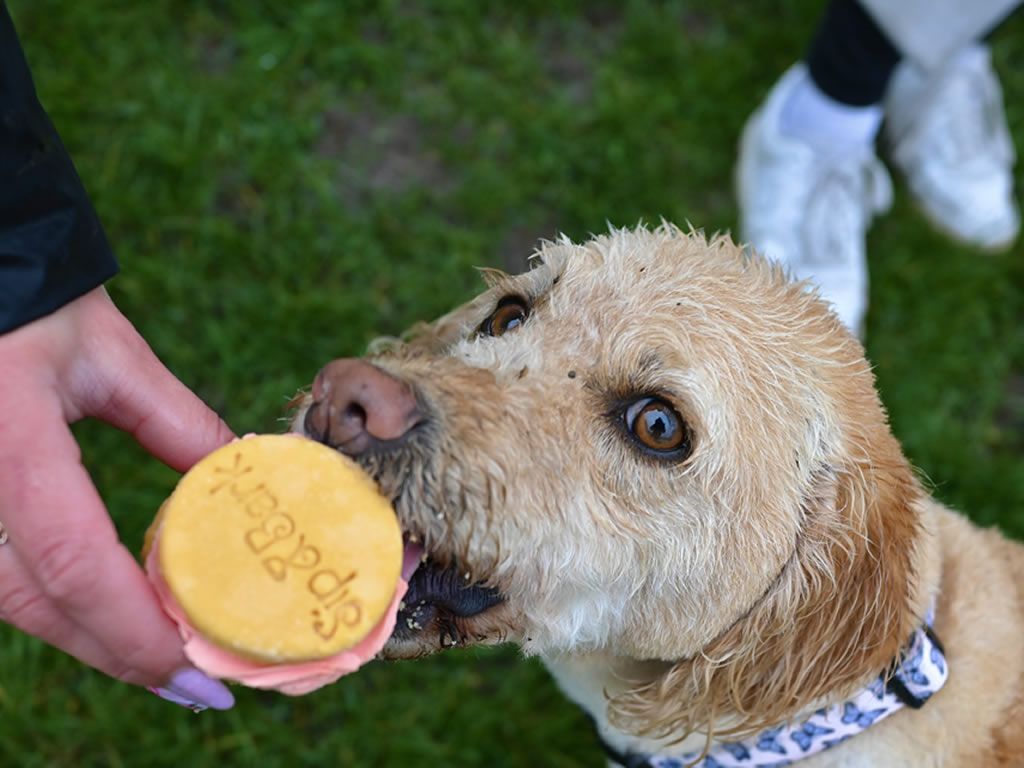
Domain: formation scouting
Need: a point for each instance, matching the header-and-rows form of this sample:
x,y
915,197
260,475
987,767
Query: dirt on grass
x,y
379,153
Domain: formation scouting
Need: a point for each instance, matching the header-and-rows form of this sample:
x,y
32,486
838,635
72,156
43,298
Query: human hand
x,y
64,575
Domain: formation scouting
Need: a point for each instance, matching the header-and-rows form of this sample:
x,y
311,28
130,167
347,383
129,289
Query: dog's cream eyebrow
x,y
493,277
533,285
639,377
650,362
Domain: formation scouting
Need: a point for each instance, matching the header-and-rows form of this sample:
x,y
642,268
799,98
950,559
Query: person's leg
x,y
809,182
849,64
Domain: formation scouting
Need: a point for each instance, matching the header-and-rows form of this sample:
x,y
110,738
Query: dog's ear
x,y
837,616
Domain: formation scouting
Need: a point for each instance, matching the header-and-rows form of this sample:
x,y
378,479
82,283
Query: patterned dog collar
x,y
919,673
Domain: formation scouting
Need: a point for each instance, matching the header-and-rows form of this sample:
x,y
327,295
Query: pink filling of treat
x,y
293,679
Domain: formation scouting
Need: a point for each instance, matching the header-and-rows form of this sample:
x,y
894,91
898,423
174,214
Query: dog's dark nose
x,y
356,404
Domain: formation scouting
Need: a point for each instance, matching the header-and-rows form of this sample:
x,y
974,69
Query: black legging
x,y
850,58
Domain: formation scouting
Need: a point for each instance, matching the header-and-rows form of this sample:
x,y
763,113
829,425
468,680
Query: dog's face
x,y
647,445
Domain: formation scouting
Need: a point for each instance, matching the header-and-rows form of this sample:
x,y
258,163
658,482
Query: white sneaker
x,y
810,208
948,134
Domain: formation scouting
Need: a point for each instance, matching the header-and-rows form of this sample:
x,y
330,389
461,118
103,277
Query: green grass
x,y
284,181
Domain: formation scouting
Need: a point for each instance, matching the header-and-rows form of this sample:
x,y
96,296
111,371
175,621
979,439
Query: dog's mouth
x,y
444,606
440,601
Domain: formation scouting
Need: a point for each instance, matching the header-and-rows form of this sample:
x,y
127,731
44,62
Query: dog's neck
x,y
591,679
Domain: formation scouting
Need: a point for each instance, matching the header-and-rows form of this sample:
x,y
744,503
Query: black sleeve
x,y
52,247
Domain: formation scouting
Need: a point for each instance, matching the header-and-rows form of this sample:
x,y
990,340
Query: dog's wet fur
x,y
661,466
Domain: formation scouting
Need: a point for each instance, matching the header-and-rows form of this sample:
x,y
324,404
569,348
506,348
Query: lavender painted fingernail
x,y
181,701
191,688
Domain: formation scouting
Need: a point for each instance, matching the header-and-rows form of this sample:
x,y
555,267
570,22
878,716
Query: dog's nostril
x,y
315,423
355,415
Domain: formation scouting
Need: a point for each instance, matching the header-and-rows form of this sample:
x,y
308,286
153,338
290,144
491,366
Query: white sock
x,y
810,115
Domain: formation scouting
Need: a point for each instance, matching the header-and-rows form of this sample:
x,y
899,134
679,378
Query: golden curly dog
x,y
662,467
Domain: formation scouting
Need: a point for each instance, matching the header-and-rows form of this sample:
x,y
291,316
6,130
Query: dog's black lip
x,y
439,599
447,589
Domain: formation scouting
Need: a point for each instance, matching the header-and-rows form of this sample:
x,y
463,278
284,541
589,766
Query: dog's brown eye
x,y
510,314
657,426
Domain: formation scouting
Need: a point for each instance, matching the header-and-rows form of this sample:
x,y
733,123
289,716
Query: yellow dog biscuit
x,y
279,549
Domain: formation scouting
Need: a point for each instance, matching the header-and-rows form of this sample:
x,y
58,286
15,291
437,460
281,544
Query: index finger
x,y
125,384
149,402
